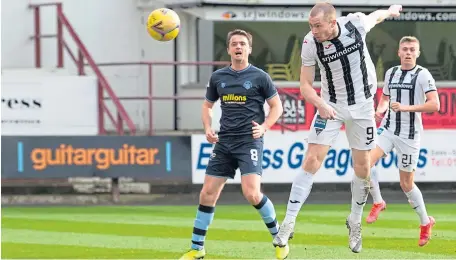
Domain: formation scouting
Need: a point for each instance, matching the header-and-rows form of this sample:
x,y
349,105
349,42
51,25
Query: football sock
x,y
268,214
300,190
204,217
417,202
375,186
360,191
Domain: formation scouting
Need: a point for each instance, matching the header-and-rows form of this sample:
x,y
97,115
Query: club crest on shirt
x,y
396,76
247,85
351,34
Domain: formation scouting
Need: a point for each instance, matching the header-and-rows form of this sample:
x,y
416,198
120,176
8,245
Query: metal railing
x,y
80,59
151,96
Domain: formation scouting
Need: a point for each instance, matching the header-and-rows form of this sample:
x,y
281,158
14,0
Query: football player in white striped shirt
x,y
409,90
348,82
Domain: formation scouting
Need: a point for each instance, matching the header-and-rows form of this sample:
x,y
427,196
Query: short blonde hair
x,y
328,10
409,39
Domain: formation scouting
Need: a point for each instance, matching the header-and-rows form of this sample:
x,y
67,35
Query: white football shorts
x,y
408,150
360,127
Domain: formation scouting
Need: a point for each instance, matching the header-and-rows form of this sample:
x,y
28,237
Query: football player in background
x,y
409,90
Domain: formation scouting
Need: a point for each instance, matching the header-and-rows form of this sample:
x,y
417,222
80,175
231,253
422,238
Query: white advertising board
x,y
49,105
258,14
251,14
335,2
284,153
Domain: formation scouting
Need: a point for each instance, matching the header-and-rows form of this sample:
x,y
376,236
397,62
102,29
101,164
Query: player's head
x,y
409,50
239,45
322,21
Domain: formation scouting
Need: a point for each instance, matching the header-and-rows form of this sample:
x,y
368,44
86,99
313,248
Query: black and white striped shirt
x,y
348,75
408,87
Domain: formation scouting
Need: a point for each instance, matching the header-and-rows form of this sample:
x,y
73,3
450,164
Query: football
x,y
163,24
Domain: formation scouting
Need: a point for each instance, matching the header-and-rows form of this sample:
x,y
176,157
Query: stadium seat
x,y
287,71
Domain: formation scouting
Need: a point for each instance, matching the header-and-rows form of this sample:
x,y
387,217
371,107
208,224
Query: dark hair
x,y
238,32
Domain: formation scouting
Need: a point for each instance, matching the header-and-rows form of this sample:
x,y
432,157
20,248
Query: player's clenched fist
x,y
211,137
395,10
326,112
398,107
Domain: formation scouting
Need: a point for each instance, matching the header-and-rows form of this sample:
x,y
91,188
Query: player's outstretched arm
x,y
380,15
369,21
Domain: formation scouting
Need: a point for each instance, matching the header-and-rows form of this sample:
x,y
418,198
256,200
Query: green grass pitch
x,y
164,232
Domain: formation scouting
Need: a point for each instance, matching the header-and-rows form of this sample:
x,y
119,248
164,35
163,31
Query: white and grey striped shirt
x,y
408,87
347,72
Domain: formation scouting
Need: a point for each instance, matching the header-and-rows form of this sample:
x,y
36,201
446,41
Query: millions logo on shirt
x,y
234,99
